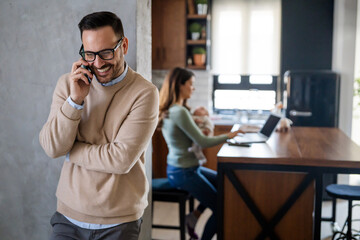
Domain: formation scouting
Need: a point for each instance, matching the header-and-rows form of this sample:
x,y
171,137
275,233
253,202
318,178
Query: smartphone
x,y
86,67
232,142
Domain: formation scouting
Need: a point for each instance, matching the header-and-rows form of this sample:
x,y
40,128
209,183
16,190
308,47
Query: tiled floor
x,y
168,213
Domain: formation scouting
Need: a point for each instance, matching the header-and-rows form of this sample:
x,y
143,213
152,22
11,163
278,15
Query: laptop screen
x,y
270,125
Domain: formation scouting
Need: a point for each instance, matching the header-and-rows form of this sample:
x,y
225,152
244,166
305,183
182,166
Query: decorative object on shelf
x,y
199,56
201,6
203,32
195,30
189,61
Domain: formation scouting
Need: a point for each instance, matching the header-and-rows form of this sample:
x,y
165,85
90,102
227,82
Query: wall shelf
x,y
203,41
196,67
197,16
196,42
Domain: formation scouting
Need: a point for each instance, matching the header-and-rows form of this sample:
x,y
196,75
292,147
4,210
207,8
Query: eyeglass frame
x,y
81,51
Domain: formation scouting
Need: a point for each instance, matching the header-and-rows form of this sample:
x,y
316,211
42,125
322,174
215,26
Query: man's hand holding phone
x,y
79,82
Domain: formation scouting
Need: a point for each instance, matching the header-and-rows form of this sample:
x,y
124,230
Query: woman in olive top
x,y
180,131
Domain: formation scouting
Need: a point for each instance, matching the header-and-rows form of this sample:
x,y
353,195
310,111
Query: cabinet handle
x,y
295,113
163,54
158,54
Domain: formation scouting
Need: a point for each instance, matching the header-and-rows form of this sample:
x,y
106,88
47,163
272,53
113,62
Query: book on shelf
x,y
191,7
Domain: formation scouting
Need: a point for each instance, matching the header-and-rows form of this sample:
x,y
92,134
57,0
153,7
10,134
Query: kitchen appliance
x,y
312,99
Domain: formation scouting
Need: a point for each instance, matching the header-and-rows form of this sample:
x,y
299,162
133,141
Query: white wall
x,y
355,130
143,66
357,52
344,57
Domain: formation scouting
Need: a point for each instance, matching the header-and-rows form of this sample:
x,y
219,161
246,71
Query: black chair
x,y
349,193
162,191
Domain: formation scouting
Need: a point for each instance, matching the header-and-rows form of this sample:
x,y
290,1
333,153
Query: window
x,y
246,53
255,92
246,36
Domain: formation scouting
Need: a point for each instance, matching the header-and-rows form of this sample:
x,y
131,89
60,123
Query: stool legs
x,y
349,235
191,204
182,219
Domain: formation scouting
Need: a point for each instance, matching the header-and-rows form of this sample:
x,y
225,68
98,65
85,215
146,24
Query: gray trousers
x,y
63,229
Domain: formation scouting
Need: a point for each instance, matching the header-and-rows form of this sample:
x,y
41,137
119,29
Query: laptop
x,y
259,137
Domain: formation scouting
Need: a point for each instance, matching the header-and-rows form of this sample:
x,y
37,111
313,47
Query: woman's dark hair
x,y
96,20
170,90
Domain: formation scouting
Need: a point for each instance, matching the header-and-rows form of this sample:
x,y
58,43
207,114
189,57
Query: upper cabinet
x,y
168,34
180,34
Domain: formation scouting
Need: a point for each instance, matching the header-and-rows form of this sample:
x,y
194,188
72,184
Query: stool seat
x,y
161,184
344,191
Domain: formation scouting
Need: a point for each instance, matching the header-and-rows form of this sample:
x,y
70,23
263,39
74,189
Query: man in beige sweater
x,y
103,125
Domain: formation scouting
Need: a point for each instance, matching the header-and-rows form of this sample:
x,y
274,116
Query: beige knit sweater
x,y
104,182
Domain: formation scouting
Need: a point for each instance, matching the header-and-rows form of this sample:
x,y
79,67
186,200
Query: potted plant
x,y
357,89
356,105
199,56
201,6
195,30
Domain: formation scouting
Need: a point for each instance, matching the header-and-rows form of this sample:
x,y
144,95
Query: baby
x,y
202,120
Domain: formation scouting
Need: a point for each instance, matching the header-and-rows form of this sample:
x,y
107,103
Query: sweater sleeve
x,y
184,121
120,156
59,132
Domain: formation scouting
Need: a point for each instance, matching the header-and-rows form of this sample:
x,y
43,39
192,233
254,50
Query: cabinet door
x,y
169,33
156,32
159,155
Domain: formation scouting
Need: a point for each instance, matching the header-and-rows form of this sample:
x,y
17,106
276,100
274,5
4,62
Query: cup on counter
x,y
241,116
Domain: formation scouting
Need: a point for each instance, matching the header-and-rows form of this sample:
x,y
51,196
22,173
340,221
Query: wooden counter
x,y
271,190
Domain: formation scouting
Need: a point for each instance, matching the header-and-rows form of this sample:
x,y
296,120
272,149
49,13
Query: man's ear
x,y
125,45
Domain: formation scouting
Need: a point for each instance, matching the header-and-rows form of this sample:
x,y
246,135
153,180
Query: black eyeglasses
x,y
106,54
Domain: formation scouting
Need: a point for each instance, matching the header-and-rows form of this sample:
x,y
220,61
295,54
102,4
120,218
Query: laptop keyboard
x,y
250,137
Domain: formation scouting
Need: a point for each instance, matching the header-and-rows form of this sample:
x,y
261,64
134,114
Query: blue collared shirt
x,y
118,79
85,225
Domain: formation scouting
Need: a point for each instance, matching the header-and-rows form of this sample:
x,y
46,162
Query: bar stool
x,y
162,191
349,193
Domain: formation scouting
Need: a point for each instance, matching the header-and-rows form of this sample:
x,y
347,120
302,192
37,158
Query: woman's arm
x,y
182,118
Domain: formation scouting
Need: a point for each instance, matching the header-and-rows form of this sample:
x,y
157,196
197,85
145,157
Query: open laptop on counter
x,y
255,137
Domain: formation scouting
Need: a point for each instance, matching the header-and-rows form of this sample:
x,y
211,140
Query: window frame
x,y
244,85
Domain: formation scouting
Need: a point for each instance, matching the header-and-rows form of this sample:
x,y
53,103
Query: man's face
x,y
100,39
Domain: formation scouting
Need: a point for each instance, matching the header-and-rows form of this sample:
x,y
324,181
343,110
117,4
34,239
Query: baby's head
x,y
201,111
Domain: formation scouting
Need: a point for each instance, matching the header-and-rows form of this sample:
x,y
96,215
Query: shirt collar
x,y
118,79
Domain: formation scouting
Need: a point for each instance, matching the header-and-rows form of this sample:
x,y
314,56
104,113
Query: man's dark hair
x,y
96,20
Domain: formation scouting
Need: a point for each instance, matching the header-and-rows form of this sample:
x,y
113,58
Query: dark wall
x,y
307,34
